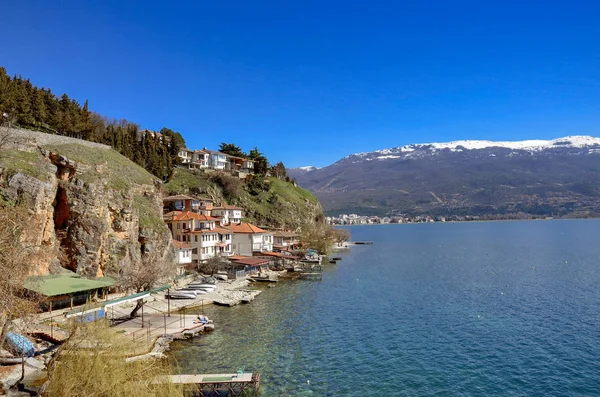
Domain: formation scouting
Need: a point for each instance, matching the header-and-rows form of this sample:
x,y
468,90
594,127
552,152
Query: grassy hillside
x,y
268,202
95,164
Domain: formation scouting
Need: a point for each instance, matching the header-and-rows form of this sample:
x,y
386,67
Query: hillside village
x,y
202,229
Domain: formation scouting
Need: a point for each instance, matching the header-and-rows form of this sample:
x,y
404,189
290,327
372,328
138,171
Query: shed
x,y
67,288
251,264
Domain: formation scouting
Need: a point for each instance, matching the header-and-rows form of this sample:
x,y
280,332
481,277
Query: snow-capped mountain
x,y
307,168
538,145
546,177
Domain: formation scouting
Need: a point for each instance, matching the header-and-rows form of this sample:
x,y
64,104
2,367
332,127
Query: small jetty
x,y
238,384
311,276
263,279
241,296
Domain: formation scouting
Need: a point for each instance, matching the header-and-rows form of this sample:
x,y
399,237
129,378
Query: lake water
x,y
455,309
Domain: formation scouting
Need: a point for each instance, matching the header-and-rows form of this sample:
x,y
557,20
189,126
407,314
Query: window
x,y
196,238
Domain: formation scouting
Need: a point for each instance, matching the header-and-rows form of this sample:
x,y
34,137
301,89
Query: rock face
x,y
93,211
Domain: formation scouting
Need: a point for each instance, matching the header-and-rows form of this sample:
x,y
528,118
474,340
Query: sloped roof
x,y
186,216
244,227
251,261
222,230
279,255
64,284
181,245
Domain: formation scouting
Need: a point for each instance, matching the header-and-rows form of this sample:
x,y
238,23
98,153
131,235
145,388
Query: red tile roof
x,y
245,227
181,245
186,216
251,261
222,230
279,255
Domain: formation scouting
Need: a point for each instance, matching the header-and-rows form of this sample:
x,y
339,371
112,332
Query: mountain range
x,y
559,178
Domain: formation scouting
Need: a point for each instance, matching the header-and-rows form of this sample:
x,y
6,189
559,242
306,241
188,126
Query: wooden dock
x,y
311,276
238,384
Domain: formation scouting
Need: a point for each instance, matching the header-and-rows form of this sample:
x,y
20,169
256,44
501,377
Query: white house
x,y
200,159
185,155
248,239
228,214
184,255
201,233
216,160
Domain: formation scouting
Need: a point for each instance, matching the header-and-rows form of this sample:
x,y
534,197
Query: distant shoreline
x,y
465,221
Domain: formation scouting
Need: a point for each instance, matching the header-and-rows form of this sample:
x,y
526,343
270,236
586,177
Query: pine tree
x,y
38,106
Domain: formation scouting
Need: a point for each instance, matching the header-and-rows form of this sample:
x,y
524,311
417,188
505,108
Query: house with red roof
x,y
201,232
249,239
182,202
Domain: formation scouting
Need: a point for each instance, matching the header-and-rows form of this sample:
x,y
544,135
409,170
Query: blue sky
x,y
309,82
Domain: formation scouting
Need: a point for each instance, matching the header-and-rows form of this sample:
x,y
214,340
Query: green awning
x,y
65,284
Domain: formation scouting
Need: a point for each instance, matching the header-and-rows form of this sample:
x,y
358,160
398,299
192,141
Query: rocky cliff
x,y
92,210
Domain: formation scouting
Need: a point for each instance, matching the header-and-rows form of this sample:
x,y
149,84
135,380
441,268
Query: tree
x,y
16,264
261,165
232,186
279,171
39,107
232,150
320,236
93,362
340,236
175,137
143,274
213,265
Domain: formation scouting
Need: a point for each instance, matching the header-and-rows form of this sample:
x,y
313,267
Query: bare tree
x,y
93,362
6,135
145,274
16,264
340,236
213,265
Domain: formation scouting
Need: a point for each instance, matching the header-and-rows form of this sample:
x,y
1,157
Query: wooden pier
x,y
238,384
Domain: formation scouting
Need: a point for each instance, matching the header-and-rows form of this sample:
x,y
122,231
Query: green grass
x,y
149,217
120,171
184,180
29,163
289,192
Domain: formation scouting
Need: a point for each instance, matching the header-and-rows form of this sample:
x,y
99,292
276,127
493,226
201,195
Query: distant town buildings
x,y
354,219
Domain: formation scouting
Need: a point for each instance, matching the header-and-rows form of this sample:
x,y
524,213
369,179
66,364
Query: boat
x,y
265,279
222,277
197,291
182,295
206,287
201,285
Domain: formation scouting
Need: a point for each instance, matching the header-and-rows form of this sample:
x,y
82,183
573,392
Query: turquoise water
x,y
456,309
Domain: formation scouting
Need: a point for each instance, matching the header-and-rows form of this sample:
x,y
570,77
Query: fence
x,y
154,325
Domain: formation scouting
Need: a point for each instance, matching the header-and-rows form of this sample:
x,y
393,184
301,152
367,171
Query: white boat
x,y
196,291
182,295
202,286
